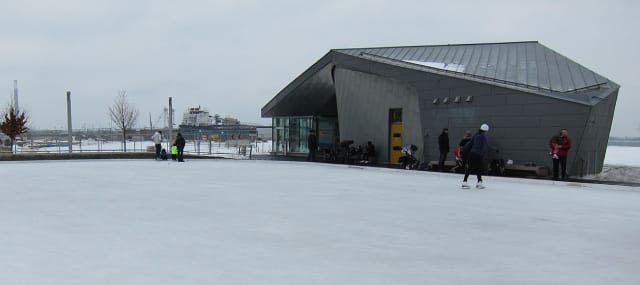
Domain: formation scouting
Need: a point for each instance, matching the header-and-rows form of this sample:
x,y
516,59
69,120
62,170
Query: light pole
x,y
170,121
199,139
69,136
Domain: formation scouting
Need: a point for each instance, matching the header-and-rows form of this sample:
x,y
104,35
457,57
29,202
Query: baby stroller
x,y
407,159
459,162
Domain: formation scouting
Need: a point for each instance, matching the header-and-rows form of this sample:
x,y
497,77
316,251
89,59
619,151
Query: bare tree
x,y
14,124
123,115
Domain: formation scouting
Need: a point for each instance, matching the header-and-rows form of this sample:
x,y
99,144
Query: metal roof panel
x,y
528,64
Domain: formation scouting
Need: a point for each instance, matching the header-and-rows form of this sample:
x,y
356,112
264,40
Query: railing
x,y
228,149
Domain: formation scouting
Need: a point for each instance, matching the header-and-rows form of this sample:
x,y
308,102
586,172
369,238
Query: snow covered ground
x,y
621,164
203,148
616,155
271,222
623,155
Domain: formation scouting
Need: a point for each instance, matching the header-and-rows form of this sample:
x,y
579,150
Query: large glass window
x,y
290,134
295,136
327,132
279,141
298,132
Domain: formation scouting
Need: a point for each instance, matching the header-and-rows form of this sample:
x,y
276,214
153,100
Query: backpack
x,y
456,151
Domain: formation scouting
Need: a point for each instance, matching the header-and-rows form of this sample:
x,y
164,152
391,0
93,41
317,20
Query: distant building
x,y
393,96
265,133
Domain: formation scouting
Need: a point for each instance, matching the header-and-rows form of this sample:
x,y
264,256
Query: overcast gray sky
x,y
234,56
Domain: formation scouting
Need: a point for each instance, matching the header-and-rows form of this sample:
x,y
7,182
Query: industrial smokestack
x,y
16,108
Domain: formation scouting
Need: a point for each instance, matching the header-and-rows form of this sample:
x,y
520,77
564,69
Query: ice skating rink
x,y
269,222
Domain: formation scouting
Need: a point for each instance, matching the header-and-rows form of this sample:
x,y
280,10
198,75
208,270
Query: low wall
x,y
65,156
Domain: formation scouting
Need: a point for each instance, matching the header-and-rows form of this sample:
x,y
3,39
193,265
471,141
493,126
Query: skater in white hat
x,y
477,148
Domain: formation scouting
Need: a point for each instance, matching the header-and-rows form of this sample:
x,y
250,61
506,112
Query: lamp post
x,y
170,122
199,139
69,135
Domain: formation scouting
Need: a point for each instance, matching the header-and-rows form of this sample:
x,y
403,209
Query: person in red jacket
x,y
559,148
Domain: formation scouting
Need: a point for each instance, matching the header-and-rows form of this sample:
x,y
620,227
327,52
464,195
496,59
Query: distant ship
x,y
197,121
196,116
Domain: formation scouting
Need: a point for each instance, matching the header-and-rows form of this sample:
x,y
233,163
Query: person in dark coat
x,y
477,148
180,143
443,144
369,153
312,144
559,149
464,156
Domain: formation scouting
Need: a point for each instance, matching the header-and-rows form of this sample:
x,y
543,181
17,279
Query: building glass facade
x,y
290,133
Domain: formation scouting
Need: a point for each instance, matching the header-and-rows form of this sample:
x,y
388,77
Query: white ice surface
x,y
268,222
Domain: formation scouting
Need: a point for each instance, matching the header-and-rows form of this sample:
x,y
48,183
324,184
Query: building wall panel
x,y
364,101
521,123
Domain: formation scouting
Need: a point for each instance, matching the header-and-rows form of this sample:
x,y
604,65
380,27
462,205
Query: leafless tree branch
x,y
123,114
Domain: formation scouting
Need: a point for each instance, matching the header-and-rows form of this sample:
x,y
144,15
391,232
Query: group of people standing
x,y
473,149
177,147
342,150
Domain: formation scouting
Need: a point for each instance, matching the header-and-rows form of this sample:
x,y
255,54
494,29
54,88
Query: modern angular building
x,y
394,96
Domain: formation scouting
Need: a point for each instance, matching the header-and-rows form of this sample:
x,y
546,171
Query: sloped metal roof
x,y
524,64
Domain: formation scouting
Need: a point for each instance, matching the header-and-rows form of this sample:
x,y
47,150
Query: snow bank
x,y
202,147
622,155
621,164
617,173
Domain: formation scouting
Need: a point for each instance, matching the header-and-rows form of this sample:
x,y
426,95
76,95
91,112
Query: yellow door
x,y
395,142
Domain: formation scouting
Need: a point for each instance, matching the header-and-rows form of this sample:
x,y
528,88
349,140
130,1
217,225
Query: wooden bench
x,y
448,164
510,170
526,170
